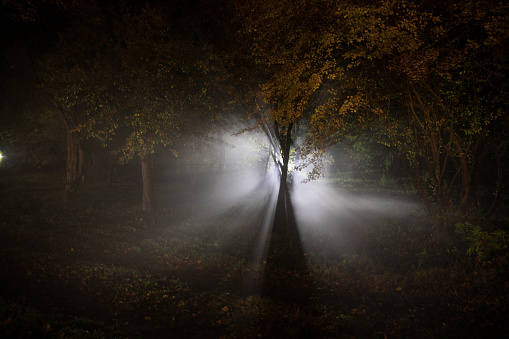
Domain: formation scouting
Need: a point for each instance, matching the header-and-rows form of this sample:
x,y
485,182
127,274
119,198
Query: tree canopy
x,y
428,79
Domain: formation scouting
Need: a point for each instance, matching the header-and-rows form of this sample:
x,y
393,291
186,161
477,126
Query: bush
x,y
487,247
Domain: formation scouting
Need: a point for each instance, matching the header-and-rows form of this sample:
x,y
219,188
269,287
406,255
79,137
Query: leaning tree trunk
x,y
147,173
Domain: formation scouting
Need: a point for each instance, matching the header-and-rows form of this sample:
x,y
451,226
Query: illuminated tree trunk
x,y
222,151
147,173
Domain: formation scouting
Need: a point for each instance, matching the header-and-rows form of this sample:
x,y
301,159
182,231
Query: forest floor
x,y
98,267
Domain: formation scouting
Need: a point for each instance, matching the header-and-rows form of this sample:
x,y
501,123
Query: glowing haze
x,y
247,186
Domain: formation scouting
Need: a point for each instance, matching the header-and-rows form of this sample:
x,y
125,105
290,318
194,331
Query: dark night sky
x,y
34,27
45,18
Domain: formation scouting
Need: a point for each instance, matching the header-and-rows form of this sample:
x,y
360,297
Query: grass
x,y
99,267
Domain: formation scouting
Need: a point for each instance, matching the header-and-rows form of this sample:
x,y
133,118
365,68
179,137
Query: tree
x,y
434,85
431,76
436,71
155,89
63,71
307,93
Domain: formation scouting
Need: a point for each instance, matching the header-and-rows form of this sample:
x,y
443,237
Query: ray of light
x,y
322,208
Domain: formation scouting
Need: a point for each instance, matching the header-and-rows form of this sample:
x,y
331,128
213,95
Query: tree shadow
x,y
286,275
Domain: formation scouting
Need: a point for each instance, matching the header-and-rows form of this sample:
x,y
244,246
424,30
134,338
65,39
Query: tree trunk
x,y
74,164
285,249
147,173
222,151
502,182
282,216
75,155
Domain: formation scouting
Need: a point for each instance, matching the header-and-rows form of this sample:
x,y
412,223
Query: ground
x,y
98,267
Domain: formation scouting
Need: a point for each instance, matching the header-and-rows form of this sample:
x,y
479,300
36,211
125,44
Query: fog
x,y
243,191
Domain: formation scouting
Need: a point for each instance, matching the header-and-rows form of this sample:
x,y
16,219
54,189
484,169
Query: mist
x,y
244,189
